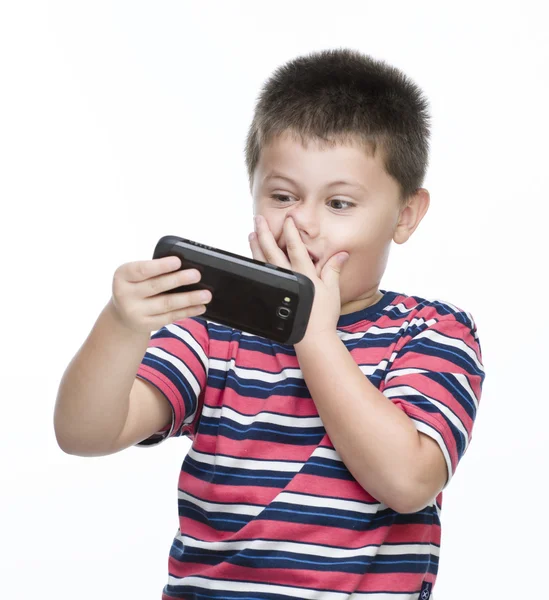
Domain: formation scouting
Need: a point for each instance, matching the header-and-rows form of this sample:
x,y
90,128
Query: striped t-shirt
x,y
267,509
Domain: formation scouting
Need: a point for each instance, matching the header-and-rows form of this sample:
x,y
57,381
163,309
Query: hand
x,y
327,301
138,301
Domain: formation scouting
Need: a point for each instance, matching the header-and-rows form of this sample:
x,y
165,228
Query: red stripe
x,y
252,449
306,578
232,494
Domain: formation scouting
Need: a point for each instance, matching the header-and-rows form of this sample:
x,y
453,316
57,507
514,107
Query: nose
x,y
306,218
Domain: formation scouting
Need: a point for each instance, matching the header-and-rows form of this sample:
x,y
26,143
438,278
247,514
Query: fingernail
x,y
257,220
251,237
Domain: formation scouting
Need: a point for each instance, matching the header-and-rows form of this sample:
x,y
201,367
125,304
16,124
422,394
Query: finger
x,y
145,269
175,303
169,281
297,251
272,253
158,321
332,270
257,253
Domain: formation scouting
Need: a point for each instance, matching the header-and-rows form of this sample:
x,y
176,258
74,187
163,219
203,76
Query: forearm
x,y
93,397
376,440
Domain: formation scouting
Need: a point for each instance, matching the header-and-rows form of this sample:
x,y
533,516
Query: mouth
x,y
312,256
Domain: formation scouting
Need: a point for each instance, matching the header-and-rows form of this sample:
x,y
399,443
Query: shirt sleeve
x,y
436,379
176,363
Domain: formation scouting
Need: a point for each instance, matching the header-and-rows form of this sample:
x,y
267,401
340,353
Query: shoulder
x,y
428,312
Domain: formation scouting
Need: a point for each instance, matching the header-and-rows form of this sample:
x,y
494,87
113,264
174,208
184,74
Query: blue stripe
x,y
230,473
280,432
461,358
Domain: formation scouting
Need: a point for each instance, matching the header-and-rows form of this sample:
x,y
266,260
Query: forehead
x,y
315,162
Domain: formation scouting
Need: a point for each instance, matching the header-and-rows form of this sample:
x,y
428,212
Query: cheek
x,y
276,225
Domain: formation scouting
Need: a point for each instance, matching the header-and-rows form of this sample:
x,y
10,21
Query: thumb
x,y
332,269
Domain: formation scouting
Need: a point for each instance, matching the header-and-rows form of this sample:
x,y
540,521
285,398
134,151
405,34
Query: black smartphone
x,y
247,294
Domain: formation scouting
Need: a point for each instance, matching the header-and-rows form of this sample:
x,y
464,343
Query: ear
x,y
410,216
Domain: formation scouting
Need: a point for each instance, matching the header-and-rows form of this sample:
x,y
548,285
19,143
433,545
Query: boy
x,y
315,470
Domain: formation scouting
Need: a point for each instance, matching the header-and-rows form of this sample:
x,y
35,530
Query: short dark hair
x,y
341,96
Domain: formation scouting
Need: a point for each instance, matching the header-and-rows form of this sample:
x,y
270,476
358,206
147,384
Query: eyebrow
x,y
353,184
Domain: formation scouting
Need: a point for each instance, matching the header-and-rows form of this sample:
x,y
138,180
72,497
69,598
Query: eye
x,y
280,197
342,201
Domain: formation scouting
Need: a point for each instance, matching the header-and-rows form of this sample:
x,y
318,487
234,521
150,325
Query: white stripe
x,y
384,596
222,365
401,307
422,321
324,502
250,587
288,373
433,433
241,509
401,391
443,340
257,374
329,453
296,592
464,381
397,549
186,373
188,339
415,322
436,505
371,369
246,463
379,331
447,304
373,329
466,388
229,413
398,372
288,498
309,549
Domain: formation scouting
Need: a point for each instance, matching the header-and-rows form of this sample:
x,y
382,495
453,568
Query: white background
x,y
121,122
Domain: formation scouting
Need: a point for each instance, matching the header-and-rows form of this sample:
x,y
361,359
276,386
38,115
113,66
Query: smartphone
x,y
247,294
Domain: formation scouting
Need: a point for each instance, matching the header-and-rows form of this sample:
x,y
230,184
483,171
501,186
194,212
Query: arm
x,y
101,407
93,401
376,440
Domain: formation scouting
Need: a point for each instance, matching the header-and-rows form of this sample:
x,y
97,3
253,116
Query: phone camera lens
x,y
283,312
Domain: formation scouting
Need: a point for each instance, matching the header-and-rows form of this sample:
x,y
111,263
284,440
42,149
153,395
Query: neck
x,y
367,299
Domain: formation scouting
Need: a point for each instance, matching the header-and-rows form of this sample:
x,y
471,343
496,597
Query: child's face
x,y
359,218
